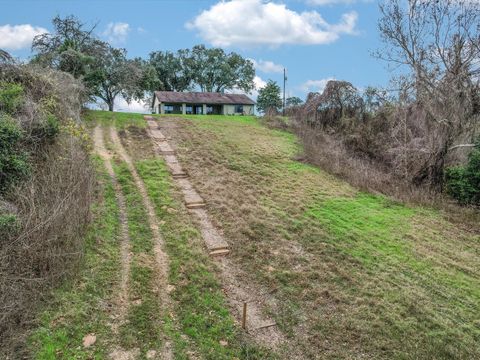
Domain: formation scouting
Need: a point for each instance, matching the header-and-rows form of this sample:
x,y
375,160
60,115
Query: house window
x,y
209,109
238,109
188,109
168,109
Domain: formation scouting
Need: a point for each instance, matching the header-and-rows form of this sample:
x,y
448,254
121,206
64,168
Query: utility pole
x,y
284,81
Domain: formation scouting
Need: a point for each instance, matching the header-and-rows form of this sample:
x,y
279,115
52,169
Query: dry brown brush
x,y
377,143
43,216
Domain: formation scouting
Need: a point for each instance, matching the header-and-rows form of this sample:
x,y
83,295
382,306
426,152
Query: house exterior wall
x,y
158,108
248,109
230,109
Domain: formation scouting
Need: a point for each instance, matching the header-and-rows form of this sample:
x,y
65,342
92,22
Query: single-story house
x,y
172,102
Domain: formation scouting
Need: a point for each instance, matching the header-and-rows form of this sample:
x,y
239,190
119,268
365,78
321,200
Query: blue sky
x,y
314,39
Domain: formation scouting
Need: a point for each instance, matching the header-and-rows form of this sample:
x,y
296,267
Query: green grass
x,y
78,308
353,274
120,120
143,328
200,305
362,274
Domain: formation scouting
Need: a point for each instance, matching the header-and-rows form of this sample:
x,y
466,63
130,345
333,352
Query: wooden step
x,y
177,171
157,135
165,149
180,176
171,159
152,124
196,205
220,252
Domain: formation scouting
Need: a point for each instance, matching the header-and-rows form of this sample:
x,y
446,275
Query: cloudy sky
x,y
315,40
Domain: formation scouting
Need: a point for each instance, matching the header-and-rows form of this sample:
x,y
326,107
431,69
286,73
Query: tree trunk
x,y
110,105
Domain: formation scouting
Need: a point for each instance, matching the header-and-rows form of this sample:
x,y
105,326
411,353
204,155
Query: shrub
x,y
13,161
463,182
46,129
8,225
11,97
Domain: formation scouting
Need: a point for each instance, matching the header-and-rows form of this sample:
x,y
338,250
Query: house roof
x,y
203,98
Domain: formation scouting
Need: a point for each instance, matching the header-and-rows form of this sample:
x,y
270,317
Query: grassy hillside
x,y
349,274
354,273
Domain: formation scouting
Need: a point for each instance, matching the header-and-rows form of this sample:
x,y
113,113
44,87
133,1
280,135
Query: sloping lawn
x,y
354,274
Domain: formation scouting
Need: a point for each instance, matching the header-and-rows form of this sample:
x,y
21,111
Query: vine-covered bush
x,y
463,182
13,160
46,183
11,97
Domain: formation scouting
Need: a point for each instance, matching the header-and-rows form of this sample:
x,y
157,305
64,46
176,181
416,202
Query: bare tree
x,y
437,42
5,57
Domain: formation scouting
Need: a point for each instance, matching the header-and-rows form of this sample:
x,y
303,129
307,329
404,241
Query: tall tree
x,y
269,100
293,101
116,75
70,47
215,71
171,70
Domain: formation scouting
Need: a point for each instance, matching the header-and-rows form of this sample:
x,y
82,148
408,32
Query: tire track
x,y
121,301
160,256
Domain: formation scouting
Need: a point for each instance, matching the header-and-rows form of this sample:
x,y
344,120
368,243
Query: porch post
x,y
162,108
204,110
184,109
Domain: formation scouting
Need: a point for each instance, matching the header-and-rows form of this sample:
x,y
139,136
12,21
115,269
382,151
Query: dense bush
x,y
13,160
45,192
463,182
11,97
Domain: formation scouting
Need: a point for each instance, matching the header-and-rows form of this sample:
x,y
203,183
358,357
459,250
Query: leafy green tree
x,y
171,70
293,101
70,47
116,75
215,71
269,100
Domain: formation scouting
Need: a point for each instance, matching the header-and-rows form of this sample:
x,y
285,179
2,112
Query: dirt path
x,y
160,256
258,324
121,301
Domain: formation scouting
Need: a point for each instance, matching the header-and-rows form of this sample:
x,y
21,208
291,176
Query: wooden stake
x,y
244,317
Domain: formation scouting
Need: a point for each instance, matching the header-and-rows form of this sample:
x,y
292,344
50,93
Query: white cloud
x,y
134,106
267,66
258,84
14,37
255,23
315,85
117,32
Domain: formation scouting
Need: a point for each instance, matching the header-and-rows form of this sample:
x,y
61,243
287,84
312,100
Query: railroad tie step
x,y
152,124
171,159
195,205
165,149
177,171
219,252
157,135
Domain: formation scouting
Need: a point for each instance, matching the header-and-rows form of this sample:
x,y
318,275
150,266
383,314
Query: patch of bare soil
x,y
238,291
121,301
160,256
